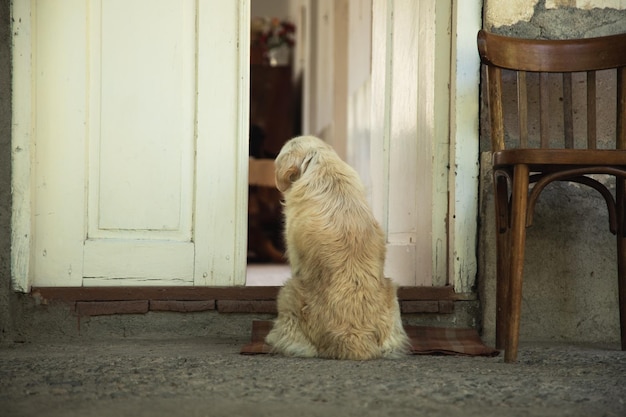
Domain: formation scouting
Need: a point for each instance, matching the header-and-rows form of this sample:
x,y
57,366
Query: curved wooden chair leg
x,y
519,204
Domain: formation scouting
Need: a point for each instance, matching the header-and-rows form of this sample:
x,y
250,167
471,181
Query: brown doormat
x,y
424,341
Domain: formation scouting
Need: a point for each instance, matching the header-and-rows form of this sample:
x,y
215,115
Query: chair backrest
x,y
561,65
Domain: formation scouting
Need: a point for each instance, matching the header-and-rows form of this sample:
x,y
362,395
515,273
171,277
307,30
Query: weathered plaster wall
x,y
570,282
500,13
5,170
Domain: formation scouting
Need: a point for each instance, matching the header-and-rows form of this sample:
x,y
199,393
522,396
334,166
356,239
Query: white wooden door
x,y
423,126
139,130
410,136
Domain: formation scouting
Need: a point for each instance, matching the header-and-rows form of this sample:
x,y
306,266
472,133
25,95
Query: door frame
x,y
463,178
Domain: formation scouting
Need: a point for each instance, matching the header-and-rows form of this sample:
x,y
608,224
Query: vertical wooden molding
x,y
241,215
441,67
222,142
381,96
464,145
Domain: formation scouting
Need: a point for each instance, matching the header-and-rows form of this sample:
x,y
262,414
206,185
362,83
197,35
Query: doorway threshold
x,y
91,301
259,274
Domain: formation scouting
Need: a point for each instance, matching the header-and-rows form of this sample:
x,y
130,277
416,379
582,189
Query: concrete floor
x,y
206,376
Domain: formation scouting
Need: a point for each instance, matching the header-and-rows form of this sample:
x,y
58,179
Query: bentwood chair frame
x,y
521,173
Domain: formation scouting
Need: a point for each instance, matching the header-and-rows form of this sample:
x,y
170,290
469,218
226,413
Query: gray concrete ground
x,y
205,375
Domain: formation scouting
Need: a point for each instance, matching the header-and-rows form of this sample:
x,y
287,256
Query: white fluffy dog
x,y
337,304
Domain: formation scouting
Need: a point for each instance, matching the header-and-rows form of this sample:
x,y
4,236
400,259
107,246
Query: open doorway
x,y
299,84
376,85
275,116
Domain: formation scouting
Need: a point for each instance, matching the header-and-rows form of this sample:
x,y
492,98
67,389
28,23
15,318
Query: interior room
x,y
275,116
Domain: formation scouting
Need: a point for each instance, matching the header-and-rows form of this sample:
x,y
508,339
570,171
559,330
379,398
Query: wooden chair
x,y
523,170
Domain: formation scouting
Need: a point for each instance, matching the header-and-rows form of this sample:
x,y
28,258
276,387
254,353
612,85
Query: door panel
x,y
142,166
140,262
141,139
142,120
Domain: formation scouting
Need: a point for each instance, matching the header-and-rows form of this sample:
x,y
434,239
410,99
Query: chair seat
x,y
566,157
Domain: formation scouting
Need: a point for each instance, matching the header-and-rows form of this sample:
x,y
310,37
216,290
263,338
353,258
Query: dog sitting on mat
x,y
337,303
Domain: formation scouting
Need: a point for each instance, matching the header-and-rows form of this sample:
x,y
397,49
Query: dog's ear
x,y
290,167
285,176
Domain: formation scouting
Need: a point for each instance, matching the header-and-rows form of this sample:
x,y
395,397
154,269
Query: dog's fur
x,y
337,304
